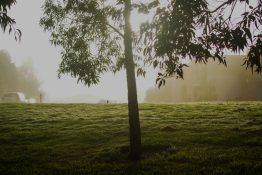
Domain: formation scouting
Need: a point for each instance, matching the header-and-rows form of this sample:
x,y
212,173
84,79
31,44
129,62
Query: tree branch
x,y
115,29
109,25
221,5
232,10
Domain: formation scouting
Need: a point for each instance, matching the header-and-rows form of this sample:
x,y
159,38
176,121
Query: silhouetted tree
x,y
6,21
96,37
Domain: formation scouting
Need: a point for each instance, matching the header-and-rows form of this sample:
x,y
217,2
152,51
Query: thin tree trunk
x,y
134,124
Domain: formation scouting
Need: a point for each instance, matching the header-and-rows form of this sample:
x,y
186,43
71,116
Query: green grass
x,y
191,138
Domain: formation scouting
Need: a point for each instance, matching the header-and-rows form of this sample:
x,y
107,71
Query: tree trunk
x,y
134,124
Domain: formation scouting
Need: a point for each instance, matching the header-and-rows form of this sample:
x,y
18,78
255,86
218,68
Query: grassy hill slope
x,y
192,138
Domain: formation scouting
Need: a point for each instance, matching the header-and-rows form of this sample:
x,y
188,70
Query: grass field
x,y
193,138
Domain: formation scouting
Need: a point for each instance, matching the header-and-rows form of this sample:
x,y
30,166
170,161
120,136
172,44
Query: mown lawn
x,y
192,138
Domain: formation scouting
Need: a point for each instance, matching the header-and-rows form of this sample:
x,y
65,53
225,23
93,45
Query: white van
x,y
14,97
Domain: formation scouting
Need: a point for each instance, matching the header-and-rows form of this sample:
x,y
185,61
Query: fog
x,y
35,46
18,79
45,58
210,82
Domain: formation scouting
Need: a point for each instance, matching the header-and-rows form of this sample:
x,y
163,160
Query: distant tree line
x,y
18,79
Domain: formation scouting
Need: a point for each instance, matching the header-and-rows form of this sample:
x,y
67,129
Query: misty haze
x,y
131,87
212,82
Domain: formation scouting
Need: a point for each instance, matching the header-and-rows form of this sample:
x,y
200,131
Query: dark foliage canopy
x,y
196,30
91,35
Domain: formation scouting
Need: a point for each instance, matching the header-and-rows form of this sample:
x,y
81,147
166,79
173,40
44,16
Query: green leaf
x,y
248,33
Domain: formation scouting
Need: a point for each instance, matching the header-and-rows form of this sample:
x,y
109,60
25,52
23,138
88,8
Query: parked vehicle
x,y
14,97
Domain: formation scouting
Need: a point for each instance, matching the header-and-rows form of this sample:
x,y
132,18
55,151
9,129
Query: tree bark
x,y
133,113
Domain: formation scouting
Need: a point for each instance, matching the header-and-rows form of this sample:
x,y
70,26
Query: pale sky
x,y
35,46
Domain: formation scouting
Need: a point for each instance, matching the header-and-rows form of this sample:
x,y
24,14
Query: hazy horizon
x,y
35,46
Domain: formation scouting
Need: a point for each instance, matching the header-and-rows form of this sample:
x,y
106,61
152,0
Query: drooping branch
x,y
6,21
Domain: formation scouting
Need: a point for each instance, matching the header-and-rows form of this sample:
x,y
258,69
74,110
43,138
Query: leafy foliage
x,y
6,21
191,30
179,31
91,35
91,45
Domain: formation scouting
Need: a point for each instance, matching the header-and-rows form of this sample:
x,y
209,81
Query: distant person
x,y
41,98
